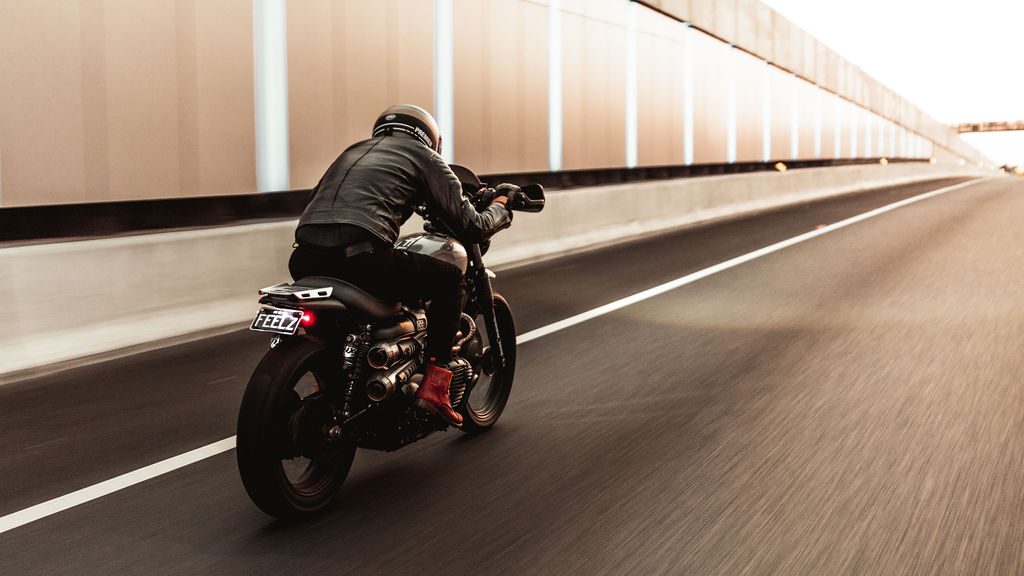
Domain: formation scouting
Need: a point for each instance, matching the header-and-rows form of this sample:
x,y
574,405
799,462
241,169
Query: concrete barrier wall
x,y
74,299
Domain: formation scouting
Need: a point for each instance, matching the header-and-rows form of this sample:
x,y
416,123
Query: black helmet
x,y
411,120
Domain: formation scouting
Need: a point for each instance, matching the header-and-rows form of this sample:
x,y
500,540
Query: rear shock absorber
x,y
353,360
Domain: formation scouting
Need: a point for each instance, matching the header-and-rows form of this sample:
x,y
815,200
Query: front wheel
x,y
485,402
287,466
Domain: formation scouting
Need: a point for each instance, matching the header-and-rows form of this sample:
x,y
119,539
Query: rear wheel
x,y
485,402
287,466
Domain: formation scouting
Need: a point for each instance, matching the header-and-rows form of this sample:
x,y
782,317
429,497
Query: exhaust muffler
x,y
383,355
384,384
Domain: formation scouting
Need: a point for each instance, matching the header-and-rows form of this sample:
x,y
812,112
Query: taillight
x,y
307,319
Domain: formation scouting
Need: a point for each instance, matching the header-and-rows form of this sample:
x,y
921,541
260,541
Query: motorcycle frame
x,y
485,301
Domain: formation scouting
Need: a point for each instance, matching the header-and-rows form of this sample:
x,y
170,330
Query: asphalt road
x,y
853,404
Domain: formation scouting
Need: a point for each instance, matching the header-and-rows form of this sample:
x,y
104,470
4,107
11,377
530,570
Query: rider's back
x,y
372,185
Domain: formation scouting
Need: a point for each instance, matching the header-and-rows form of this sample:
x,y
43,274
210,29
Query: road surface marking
x,y
62,503
691,278
59,504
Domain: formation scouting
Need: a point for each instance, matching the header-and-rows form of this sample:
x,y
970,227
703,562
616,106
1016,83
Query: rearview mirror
x,y
529,199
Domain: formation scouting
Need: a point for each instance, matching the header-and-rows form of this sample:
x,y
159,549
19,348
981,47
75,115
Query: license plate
x,y
277,320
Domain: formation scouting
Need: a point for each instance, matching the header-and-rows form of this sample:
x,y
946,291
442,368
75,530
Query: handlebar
x,y
529,198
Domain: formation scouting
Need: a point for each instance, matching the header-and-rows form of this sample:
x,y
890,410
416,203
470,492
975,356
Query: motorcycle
x,y
342,370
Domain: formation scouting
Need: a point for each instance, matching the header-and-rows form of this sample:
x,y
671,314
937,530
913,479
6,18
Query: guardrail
x,y
35,224
71,299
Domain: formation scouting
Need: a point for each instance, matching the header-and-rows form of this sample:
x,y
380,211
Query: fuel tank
x,y
443,248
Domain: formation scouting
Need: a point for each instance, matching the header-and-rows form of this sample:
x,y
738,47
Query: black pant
x,y
396,275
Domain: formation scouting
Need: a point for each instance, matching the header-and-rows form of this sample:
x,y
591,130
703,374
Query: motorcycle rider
x,y
350,225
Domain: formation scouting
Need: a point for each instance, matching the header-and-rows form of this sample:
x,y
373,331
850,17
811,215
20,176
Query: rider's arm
x,y
445,192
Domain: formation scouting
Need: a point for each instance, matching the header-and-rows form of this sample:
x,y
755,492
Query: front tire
x,y
482,406
281,406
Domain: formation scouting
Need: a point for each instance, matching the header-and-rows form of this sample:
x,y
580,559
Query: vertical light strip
x,y
555,85
837,136
270,82
631,89
817,122
688,89
730,121
892,139
766,112
794,118
444,76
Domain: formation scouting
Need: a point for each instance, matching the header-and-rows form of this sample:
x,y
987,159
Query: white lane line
x,y
691,278
57,505
62,503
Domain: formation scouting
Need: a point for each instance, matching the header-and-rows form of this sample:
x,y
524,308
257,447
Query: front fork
x,y
485,300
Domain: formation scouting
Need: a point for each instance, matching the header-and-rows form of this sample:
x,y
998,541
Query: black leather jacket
x,y
375,183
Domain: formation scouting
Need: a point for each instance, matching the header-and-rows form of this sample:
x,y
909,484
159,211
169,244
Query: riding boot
x,y
433,394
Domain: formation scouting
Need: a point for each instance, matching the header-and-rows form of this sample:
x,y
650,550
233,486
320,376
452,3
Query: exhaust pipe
x,y
383,355
383,385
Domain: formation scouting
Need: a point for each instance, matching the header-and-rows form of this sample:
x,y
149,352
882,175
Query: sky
x,y
958,61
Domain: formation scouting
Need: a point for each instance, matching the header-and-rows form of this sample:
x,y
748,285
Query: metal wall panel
x,y
820,62
679,9
795,41
142,127
43,106
660,56
844,124
746,23
806,94
223,101
501,87
750,96
780,41
829,104
803,44
711,65
156,99
348,61
134,100
781,84
784,44
702,14
312,49
765,46
594,95
725,25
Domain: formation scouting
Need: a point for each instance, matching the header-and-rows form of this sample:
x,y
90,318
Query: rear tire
x,y
265,438
481,407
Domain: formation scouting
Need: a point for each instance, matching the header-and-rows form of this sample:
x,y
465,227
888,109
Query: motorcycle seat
x,y
353,298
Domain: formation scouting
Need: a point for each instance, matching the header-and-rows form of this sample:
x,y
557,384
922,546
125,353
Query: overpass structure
x,y
971,127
